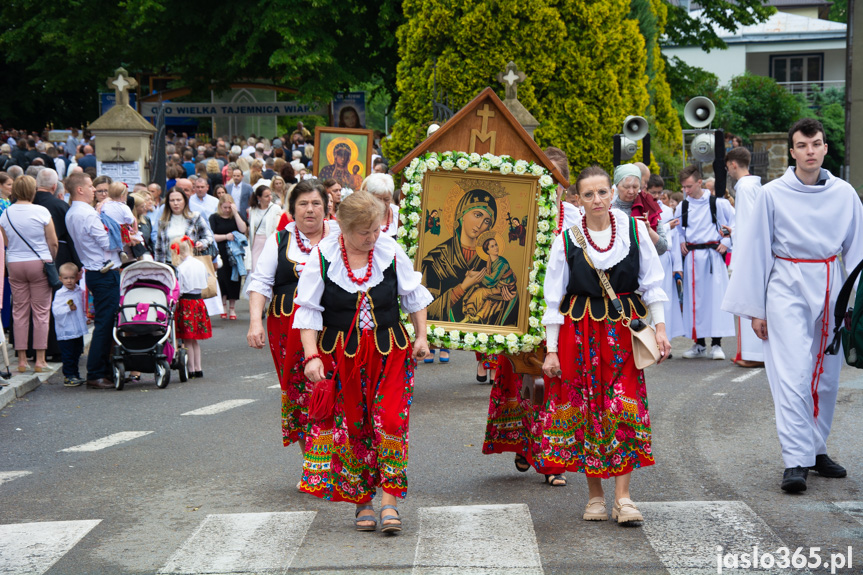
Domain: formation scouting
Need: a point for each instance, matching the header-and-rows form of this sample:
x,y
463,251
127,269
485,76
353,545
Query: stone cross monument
x,y
511,77
123,135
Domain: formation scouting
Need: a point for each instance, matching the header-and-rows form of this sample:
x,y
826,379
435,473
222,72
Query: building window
x,y
797,72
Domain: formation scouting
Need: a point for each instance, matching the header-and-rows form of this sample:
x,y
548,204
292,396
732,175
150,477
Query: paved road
x,y
193,479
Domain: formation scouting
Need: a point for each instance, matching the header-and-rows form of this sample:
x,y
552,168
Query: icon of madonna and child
x,y
467,274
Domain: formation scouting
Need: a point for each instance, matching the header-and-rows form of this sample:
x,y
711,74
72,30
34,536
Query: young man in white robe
x,y
671,260
705,275
747,189
787,281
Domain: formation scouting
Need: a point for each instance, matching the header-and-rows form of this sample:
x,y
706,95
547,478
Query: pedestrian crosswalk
x,y
687,538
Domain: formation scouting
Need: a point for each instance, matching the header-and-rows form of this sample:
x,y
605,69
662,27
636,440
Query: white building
x,y
793,46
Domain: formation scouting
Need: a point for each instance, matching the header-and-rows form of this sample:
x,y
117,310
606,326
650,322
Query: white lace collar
x,y
620,249
385,252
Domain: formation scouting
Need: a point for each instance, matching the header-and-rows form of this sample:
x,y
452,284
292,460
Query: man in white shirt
x,y
201,201
747,189
241,192
703,230
92,244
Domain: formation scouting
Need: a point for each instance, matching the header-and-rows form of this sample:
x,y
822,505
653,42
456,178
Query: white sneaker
x,y
695,352
716,352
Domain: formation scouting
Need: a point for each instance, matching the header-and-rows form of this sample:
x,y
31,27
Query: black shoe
x,y
826,467
794,479
197,374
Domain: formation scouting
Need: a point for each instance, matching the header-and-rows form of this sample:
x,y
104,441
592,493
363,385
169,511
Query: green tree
x,y
470,43
579,85
839,11
57,55
753,104
684,30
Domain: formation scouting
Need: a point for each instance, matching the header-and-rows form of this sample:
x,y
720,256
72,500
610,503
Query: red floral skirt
x,y
489,360
288,356
192,320
510,418
365,444
595,419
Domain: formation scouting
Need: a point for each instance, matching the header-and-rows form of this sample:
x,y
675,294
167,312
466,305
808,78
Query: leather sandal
x,y
556,480
595,510
521,463
390,527
371,518
625,511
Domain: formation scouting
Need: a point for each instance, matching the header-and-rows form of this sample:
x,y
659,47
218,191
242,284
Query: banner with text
x,y
174,109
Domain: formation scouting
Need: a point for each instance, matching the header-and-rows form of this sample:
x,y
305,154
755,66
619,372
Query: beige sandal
x,y
625,511
595,510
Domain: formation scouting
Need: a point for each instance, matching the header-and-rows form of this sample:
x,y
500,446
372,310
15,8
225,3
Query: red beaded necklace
x,y
300,244
613,235
389,220
351,275
559,220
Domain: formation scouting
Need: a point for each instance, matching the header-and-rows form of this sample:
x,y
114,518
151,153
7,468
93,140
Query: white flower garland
x,y
410,214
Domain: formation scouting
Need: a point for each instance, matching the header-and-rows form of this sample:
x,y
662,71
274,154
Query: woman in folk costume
x,y
595,418
508,414
350,295
275,278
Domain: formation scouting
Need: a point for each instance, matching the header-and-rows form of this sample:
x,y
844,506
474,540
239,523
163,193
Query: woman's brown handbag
x,y
645,350
212,289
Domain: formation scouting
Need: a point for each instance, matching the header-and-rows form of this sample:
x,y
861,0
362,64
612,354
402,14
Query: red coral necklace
x,y
559,220
613,236
302,246
351,275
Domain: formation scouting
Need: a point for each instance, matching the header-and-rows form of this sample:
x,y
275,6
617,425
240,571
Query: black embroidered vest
x,y
340,307
287,277
584,292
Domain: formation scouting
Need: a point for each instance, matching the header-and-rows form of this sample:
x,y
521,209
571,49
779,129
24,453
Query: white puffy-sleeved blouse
x,y
650,272
413,295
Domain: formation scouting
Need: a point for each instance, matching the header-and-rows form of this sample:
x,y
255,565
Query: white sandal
x,y
625,511
595,510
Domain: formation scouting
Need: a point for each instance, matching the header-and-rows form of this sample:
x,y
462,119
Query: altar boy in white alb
x,y
703,218
747,189
787,281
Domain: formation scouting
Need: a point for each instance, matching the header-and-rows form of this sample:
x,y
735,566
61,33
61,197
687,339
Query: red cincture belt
x,y
825,324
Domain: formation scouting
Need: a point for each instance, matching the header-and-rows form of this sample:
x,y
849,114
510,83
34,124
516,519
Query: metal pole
x,y
854,99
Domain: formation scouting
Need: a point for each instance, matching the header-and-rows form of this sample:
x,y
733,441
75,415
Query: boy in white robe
x,y
787,281
705,275
747,189
671,260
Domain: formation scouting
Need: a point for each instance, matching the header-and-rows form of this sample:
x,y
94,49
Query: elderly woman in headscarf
x,y
640,205
452,268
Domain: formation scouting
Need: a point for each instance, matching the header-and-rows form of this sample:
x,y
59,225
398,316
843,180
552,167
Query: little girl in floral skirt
x,y
192,321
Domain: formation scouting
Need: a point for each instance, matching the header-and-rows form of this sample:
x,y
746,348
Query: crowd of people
x,y
328,285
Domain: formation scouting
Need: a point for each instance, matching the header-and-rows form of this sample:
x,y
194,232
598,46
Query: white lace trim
x,y
385,251
620,249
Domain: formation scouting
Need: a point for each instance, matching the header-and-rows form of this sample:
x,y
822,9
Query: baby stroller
x,y
144,330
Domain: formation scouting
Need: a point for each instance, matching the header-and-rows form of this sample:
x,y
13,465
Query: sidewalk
x,y
20,384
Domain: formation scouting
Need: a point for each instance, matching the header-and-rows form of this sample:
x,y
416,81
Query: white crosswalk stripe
x,y
474,539
219,407
852,508
11,475
32,548
242,543
686,534
108,441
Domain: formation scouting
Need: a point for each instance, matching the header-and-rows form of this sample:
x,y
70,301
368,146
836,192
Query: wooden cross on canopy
x,y
511,77
118,148
121,83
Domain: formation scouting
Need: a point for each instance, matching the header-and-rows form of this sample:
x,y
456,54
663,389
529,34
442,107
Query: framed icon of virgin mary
x,y
343,155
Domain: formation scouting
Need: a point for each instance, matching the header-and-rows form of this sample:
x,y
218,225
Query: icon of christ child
x,y
494,296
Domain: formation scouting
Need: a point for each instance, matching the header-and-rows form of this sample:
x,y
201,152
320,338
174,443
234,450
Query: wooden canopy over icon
x,y
483,126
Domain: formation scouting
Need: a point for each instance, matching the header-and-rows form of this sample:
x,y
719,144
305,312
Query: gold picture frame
x,y
355,144
478,228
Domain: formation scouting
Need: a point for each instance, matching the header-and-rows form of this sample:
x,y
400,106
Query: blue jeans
x,y
71,351
106,299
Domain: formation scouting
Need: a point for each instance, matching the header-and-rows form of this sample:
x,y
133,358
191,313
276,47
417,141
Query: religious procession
x,y
510,245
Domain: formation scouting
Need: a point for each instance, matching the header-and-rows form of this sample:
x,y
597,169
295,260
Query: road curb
x,y
22,384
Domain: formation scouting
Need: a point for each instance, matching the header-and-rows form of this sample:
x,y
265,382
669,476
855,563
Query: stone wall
x,y
775,145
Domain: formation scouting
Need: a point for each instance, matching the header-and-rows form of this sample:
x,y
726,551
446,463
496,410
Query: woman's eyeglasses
x,y
588,196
